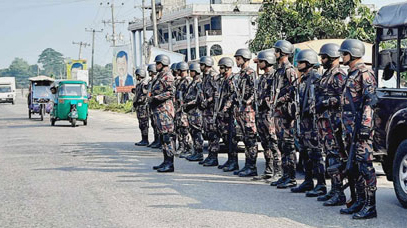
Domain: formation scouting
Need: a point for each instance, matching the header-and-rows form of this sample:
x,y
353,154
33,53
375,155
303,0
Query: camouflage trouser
x,y
142,116
330,142
211,134
153,125
266,129
182,131
285,142
165,128
227,131
247,122
195,129
366,175
311,152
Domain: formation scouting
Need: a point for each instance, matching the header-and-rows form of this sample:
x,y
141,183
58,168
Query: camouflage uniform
x,y
360,86
245,114
329,90
192,99
181,118
162,93
226,122
210,84
139,101
266,85
308,135
152,118
284,121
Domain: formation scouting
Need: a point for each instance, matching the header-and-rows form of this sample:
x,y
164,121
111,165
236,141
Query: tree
x,y
304,20
52,62
103,75
21,70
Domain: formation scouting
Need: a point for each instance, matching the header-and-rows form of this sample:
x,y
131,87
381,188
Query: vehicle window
x,y
72,90
42,92
5,89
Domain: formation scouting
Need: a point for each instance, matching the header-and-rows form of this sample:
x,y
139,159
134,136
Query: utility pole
x,y
93,53
80,47
154,17
144,48
113,22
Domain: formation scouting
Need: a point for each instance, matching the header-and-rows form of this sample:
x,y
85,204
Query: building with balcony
x,y
217,28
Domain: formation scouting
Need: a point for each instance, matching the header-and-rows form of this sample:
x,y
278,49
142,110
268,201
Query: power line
x,y
80,47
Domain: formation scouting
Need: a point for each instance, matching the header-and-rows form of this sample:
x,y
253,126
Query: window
x,y
216,49
72,90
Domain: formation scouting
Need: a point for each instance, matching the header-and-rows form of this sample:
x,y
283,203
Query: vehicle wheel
x,y
85,122
400,173
52,122
29,114
73,122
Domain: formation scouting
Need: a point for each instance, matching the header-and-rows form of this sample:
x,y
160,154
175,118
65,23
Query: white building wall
x,y
236,32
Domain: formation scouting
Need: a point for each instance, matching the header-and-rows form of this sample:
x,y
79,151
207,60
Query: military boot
x,y
157,145
156,138
162,164
205,160
185,154
168,165
338,197
327,196
246,166
251,171
356,206
319,190
212,161
198,156
290,181
277,180
307,185
232,166
369,209
143,142
180,149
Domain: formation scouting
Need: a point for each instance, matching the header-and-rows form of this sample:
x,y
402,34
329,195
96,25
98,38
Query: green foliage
x,y
304,20
103,90
52,62
103,75
114,107
21,70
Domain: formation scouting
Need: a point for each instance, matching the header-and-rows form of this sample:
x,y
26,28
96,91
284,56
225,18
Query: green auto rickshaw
x,y
70,101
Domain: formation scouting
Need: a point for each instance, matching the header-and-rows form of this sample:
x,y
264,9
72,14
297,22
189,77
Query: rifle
x,y
218,99
150,85
312,104
256,105
181,101
297,109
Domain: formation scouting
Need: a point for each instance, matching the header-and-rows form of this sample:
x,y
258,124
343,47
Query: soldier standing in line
x,y
329,90
308,132
139,103
357,102
152,71
181,115
191,106
266,87
285,74
245,115
209,88
177,78
224,114
161,102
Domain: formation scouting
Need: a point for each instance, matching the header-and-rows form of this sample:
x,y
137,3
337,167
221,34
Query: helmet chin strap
x,y
305,68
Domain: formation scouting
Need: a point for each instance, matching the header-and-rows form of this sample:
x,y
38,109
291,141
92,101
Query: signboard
x,y
123,80
83,75
73,66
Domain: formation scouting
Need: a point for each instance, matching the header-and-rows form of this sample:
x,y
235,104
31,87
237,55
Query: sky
x,y
30,26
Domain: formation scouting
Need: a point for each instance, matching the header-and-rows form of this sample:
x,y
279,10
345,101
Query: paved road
x,y
94,176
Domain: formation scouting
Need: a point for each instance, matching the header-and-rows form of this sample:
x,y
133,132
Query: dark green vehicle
x,y
70,102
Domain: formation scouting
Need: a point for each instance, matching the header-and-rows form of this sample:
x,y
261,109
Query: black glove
x,y
364,133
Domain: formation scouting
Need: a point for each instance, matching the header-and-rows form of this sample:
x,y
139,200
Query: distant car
x,y
390,138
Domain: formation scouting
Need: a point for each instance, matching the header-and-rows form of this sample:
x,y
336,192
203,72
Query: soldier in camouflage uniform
x,y
139,103
181,116
161,103
193,98
329,90
245,112
307,119
210,85
284,121
224,113
152,71
266,86
357,102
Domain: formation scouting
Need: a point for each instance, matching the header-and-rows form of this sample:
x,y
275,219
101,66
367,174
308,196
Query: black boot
x,y
279,180
358,205
226,164
155,141
338,197
307,185
198,156
143,142
168,166
251,171
213,160
369,209
162,164
326,196
205,160
268,171
157,145
288,183
246,166
232,166
319,190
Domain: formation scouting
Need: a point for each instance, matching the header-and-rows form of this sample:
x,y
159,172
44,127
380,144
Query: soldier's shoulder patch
x,y
362,68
